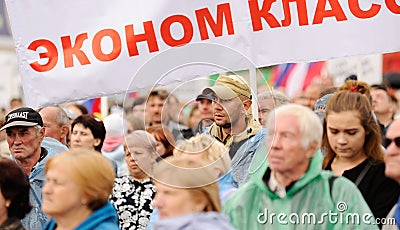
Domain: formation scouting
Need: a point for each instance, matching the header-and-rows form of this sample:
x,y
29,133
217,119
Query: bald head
x,y
56,123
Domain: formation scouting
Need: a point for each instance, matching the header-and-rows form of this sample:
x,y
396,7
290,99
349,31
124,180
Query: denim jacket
x,y
248,141
36,218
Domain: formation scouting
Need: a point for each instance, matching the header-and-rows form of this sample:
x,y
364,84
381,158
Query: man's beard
x,y
156,119
226,125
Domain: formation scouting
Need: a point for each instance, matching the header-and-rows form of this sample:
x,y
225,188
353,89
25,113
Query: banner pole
x,y
104,106
253,87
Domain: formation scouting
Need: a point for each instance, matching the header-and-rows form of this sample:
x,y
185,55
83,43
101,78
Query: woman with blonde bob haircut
x,y
206,148
78,184
213,152
187,195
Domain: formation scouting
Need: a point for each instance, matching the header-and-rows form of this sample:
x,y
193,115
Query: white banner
x,y
71,50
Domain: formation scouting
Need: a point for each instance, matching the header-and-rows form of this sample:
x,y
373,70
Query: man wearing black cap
x,y
24,128
233,123
206,113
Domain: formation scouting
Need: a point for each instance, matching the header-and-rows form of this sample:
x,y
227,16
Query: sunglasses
x,y
388,141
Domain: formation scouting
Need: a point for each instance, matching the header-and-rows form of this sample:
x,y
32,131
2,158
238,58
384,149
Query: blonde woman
x,y
187,195
215,154
78,184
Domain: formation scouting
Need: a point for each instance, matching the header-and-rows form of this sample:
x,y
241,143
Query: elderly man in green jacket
x,y
290,190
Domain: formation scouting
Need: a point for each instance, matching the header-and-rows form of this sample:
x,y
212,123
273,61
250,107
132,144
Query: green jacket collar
x,y
314,170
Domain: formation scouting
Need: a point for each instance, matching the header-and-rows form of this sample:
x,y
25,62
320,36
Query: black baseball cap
x,y
204,96
22,117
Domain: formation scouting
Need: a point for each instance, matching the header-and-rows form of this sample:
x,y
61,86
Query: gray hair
x,y
38,129
62,117
278,97
309,123
144,140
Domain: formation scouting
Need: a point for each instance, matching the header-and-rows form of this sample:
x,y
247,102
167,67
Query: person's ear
x,y
64,131
41,133
201,203
247,104
393,107
312,149
97,142
8,203
154,156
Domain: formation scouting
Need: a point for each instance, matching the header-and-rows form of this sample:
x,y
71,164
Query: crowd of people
x,y
329,158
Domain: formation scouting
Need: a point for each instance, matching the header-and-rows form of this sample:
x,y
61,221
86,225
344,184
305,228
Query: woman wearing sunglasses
x,y
352,143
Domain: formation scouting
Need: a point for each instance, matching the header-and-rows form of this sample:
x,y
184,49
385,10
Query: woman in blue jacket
x,y
78,184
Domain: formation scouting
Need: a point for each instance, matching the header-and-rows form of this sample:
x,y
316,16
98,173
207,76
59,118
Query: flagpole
x,y
253,87
104,106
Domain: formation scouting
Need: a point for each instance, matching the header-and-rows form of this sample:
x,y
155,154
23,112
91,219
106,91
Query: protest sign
x,y
71,50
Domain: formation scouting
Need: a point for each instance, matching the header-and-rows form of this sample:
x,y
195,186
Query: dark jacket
x,y
379,191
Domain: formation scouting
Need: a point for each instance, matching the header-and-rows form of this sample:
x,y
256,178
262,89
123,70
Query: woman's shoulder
x,y
377,168
375,181
211,220
367,167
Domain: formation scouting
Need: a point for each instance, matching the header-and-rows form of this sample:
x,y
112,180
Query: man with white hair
x,y
290,190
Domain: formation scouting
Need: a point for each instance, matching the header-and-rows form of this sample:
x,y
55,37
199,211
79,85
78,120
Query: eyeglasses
x,y
396,140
